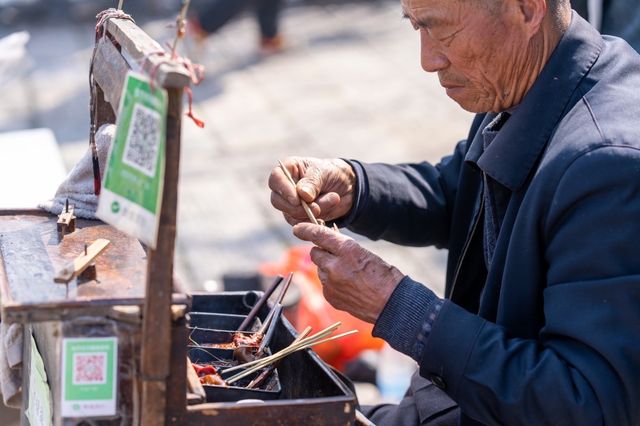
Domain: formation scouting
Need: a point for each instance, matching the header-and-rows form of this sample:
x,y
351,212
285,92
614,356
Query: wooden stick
x,y
318,335
258,380
260,303
284,353
305,206
80,263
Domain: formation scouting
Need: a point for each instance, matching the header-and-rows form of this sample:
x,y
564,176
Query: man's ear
x,y
532,13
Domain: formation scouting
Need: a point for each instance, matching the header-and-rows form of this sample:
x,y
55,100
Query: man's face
x,y
473,47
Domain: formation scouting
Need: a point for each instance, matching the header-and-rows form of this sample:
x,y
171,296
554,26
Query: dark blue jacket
x,y
551,333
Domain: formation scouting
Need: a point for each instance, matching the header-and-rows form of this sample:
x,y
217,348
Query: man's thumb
x,y
309,186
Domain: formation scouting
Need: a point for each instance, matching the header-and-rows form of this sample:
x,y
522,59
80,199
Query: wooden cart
x,y
133,297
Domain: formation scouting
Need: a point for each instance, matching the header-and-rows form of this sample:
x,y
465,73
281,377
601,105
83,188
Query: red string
x,y
195,72
189,114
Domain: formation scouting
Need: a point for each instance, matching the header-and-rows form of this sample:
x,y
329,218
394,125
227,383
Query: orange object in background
x,y
313,310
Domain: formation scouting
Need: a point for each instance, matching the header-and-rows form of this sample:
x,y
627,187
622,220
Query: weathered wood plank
x,y
156,330
109,71
141,48
30,254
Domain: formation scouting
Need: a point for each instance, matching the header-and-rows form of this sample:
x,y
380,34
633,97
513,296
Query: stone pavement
x,y
349,85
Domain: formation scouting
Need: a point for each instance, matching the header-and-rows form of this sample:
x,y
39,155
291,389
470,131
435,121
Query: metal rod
x,y
260,303
278,302
270,331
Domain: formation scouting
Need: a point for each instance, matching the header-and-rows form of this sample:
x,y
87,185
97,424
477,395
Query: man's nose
x,y
432,58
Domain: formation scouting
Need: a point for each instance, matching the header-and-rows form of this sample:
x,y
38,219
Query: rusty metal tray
x,y
30,253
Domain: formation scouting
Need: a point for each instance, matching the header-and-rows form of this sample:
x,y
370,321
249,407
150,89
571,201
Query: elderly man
x,y
539,209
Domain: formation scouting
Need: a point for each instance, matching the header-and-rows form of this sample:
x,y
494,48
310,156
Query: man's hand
x,y
326,185
354,279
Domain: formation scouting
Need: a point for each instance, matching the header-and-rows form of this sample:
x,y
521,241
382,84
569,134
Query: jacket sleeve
x,y
583,367
408,204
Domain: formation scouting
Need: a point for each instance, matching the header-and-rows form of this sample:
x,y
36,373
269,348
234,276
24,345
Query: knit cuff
x,y
402,321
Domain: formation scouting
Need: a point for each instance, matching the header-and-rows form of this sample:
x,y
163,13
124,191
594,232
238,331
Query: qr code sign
x,y
90,368
143,140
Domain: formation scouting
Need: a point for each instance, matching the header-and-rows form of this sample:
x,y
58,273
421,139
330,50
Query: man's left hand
x,y
354,279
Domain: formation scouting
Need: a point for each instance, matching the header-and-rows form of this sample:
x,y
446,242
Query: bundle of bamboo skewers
x,y
300,343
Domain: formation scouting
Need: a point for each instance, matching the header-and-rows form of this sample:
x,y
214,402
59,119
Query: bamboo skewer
x,y
316,339
284,353
320,334
305,206
258,380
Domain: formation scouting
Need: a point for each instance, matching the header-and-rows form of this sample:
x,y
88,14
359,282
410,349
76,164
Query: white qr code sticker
x,y
89,368
143,140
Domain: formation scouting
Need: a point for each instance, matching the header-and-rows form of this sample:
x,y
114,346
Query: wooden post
x,y
156,328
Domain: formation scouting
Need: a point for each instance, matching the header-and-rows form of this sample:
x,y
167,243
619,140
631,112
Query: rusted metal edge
x,y
216,406
143,49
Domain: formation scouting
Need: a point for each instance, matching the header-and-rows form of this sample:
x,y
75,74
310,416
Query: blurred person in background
x,y
620,18
538,209
209,17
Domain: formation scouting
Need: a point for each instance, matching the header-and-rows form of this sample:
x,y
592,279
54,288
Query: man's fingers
x,y
326,203
322,258
280,184
296,212
321,236
290,220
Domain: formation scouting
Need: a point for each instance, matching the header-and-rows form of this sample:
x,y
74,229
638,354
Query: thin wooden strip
x,y
109,71
284,353
318,335
143,49
305,206
81,262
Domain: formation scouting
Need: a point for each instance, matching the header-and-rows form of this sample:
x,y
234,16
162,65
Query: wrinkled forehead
x,y
429,12
413,8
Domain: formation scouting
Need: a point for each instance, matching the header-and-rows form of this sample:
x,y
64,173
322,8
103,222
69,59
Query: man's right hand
x,y
326,185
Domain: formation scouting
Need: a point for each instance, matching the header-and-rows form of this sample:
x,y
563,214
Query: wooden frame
x,y
109,71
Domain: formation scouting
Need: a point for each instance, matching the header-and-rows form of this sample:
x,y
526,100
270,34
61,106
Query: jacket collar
x,y
514,152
